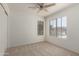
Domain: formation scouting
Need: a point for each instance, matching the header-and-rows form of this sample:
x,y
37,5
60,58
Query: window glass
x,y
52,27
64,27
58,27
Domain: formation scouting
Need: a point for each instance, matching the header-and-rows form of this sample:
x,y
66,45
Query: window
x,y
40,27
58,27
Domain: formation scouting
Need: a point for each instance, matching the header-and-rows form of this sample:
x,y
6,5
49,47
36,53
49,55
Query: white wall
x,y
22,26
3,31
72,42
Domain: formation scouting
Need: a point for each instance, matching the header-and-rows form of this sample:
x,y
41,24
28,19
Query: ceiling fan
x,y
42,6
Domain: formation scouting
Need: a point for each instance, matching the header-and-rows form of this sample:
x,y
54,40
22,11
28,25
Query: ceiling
x,y
51,10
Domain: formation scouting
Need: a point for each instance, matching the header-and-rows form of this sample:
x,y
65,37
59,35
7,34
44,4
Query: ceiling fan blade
x,y
38,11
40,4
33,7
45,10
46,6
42,10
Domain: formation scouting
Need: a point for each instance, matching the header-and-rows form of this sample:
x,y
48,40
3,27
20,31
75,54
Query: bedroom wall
x,y
22,26
3,29
72,41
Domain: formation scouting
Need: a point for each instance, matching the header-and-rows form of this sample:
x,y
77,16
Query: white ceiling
x,y
51,10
